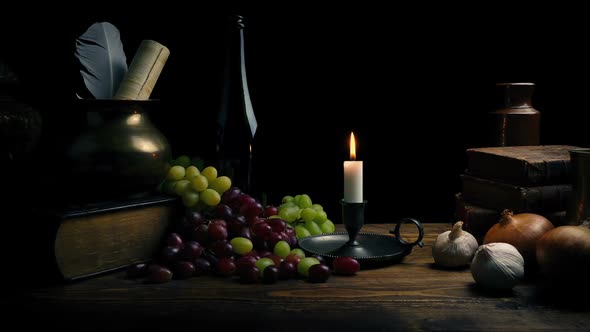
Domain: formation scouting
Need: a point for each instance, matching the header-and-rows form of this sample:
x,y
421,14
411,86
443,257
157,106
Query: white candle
x,y
353,176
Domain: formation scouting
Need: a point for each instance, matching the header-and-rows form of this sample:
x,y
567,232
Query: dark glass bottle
x,y
236,122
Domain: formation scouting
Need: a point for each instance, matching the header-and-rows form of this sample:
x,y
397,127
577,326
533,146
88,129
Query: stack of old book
x,y
535,179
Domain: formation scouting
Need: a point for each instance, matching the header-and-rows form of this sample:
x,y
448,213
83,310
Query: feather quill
x,y
102,59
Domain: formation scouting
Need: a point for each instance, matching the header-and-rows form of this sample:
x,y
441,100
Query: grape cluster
x,y
307,218
239,240
199,188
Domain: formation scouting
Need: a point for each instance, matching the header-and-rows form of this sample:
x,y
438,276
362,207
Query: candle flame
x,y
352,147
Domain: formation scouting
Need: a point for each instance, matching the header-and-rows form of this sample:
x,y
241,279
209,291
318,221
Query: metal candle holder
x,y
368,248
353,217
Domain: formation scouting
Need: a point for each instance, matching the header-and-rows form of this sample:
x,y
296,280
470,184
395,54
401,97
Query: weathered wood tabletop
x,y
410,295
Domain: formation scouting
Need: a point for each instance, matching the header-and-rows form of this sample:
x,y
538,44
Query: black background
x,y
414,84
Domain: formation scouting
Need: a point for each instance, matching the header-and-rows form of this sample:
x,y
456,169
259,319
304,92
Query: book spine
x,y
498,196
517,171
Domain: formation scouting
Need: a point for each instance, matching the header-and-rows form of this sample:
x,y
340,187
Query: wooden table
x,y
411,295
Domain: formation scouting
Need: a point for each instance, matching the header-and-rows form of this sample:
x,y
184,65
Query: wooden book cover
x,y
525,166
478,220
499,196
88,240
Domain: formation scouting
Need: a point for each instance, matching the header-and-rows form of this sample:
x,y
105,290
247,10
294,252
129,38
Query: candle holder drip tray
x,y
368,248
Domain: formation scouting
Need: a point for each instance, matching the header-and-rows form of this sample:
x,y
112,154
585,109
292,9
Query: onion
x,y
520,230
564,254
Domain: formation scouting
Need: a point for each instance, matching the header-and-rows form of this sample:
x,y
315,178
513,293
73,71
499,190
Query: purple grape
x,y
225,267
194,218
320,258
137,271
244,201
270,275
219,221
158,274
271,210
253,253
262,229
345,265
208,255
201,234
319,273
245,232
183,269
222,211
217,231
273,238
230,195
222,249
287,270
192,250
202,266
277,225
245,262
249,275
252,210
169,255
174,240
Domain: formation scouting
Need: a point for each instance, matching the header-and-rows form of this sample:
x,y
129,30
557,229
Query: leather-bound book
x,y
525,166
84,241
499,196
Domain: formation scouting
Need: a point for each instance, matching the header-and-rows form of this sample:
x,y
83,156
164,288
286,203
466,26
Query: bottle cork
x,y
147,64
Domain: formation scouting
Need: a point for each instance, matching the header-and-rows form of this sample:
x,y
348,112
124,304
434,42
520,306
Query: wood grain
x,y
410,295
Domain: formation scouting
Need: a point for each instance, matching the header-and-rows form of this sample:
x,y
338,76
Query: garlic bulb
x,y
497,265
455,247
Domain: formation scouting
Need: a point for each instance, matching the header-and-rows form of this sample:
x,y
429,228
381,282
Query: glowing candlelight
x,y
353,176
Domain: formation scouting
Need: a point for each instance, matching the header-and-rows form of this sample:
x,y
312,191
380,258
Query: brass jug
x,y
579,208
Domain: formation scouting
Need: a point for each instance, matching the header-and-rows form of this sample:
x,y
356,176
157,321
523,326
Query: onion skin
x,y
563,254
522,231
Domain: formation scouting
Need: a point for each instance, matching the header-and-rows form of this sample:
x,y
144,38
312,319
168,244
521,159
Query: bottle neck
x,y
236,95
514,95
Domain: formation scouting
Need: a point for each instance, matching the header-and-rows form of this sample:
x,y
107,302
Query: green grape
x,y
210,197
262,263
220,184
210,173
184,161
182,186
305,264
320,218
304,201
282,249
298,252
308,214
328,227
241,245
198,162
199,183
175,173
296,199
313,228
276,216
289,214
190,198
286,205
191,172
168,187
317,207
287,199
301,231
